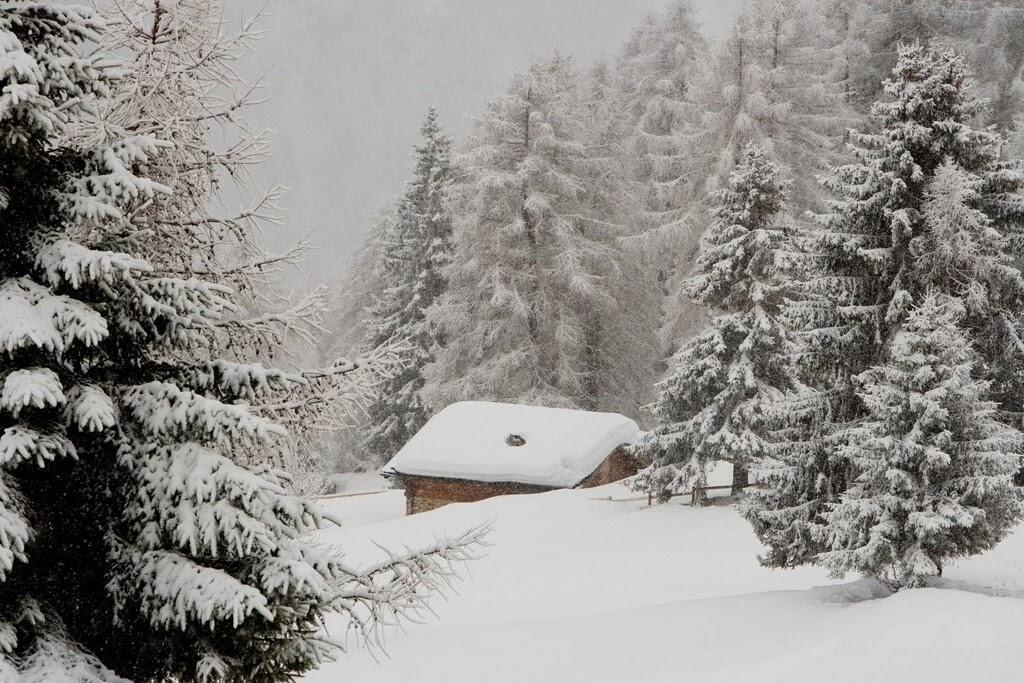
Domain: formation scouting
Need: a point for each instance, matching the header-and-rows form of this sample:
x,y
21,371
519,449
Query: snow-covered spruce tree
x,y
717,402
182,85
861,279
416,250
130,545
535,262
932,465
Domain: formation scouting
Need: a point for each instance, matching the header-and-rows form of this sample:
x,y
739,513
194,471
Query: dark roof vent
x,y
515,440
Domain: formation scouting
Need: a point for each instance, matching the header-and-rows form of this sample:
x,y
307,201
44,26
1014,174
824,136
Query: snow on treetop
x,y
501,442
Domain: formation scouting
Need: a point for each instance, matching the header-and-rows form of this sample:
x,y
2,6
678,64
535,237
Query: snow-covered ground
x,y
579,589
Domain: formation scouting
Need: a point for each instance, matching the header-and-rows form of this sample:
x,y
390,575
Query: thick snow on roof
x,y
471,440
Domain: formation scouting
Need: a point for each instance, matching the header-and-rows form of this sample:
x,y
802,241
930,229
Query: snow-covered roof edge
x,y
467,441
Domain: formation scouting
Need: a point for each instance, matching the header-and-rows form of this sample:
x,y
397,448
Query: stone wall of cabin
x,y
428,493
619,465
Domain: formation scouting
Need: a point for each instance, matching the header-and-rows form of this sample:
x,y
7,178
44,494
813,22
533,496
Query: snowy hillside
x,y
578,589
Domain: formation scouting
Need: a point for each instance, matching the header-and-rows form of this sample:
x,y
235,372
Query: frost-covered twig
x,y
179,83
320,403
398,589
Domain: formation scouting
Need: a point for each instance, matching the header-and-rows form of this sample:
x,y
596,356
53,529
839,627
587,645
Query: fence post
x,y
740,479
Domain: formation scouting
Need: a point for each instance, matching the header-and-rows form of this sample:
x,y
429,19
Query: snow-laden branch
x,y
397,590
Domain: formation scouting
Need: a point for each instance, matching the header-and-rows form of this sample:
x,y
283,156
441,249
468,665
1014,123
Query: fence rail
x,y
353,494
650,496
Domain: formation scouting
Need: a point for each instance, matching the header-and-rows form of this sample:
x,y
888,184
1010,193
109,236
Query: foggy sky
x,y
350,81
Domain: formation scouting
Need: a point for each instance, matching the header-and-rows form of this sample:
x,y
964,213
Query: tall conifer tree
x,y
717,403
416,250
133,545
933,464
181,84
539,281
655,72
862,274
111,463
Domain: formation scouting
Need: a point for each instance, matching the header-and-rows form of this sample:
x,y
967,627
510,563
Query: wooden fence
x,y
695,493
352,495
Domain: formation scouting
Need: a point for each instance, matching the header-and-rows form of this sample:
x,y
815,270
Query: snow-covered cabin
x,y
475,450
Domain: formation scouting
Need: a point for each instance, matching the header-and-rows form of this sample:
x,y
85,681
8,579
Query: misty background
x,y
349,81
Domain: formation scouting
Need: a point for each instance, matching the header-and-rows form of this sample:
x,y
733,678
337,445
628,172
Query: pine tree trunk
x,y
740,478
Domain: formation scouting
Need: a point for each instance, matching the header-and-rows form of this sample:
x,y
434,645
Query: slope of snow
x,y
575,588
467,440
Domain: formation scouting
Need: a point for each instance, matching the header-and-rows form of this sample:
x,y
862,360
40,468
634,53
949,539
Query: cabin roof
x,y
502,442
